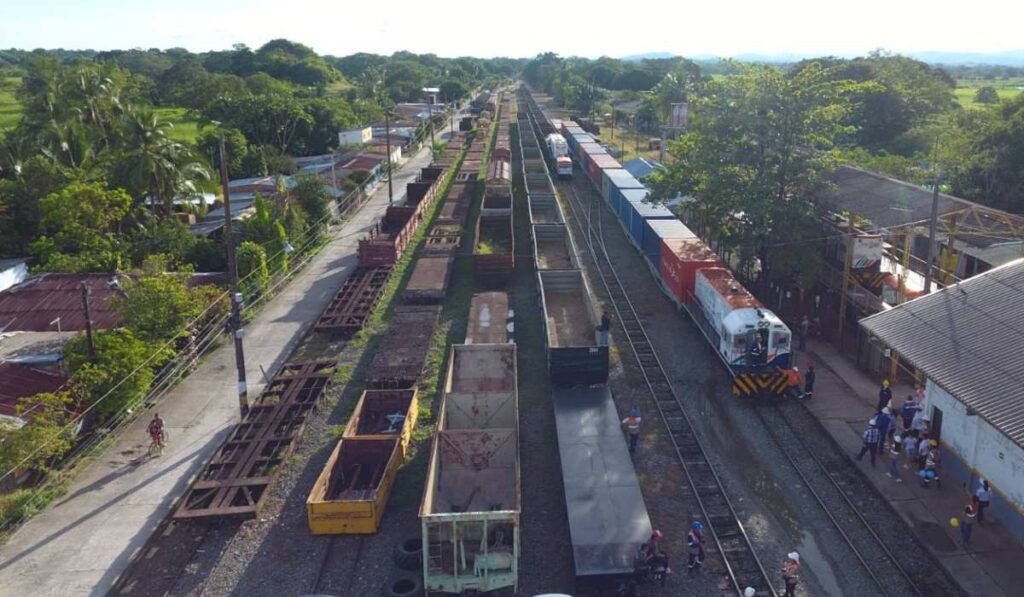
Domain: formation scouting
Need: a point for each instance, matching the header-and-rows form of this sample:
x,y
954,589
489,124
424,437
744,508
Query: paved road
x,y
82,543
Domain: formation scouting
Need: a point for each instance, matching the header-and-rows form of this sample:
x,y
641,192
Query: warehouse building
x,y
967,340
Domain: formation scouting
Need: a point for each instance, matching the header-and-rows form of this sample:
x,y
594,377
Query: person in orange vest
x,y
793,383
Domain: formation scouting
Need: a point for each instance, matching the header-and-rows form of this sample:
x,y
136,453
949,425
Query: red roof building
x,y
35,304
19,381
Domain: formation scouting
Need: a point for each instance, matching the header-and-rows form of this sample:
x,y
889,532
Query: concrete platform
x,y
844,400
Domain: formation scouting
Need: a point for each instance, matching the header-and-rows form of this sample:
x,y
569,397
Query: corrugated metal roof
x,y
18,381
33,304
886,202
967,338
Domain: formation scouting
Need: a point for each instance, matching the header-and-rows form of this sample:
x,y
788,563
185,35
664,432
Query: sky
x,y
521,28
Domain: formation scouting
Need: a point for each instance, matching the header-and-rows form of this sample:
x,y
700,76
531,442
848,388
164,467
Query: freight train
x,y
744,333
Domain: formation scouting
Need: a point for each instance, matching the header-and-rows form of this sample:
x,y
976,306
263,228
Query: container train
x,y
744,333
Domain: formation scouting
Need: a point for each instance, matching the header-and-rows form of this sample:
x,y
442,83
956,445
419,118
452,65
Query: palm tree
x,y
152,166
677,86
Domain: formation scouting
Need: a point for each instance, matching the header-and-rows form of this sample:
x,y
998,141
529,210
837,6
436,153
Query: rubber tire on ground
x,y
408,555
405,586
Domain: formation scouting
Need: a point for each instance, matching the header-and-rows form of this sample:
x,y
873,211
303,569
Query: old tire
x,y
408,555
405,586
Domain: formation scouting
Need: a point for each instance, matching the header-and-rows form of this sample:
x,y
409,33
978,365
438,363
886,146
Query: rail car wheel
x,y
403,587
408,555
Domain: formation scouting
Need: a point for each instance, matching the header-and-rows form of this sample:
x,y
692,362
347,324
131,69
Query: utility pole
x,y
87,308
236,296
932,225
430,120
387,141
845,285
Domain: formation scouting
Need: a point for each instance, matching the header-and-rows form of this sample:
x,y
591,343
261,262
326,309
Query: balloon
x,y
930,474
921,473
954,522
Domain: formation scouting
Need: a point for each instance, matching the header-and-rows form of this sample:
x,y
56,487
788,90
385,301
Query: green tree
x,y
158,306
206,256
253,274
42,438
21,202
167,237
276,120
756,154
986,95
79,225
153,167
677,86
311,193
121,374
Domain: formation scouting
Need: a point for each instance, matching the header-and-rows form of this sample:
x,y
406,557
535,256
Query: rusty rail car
x,y
494,250
352,305
429,280
490,319
443,239
234,481
400,356
389,239
471,503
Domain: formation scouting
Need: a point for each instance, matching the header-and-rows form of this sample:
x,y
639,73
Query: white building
x,y
968,339
12,271
355,136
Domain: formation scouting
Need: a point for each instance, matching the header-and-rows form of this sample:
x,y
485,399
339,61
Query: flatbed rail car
x,y
490,319
386,242
398,361
544,209
553,248
429,280
471,503
574,356
355,301
443,239
607,515
351,493
494,250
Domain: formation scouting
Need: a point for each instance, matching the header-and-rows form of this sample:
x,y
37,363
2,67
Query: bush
x,y
206,256
124,368
253,275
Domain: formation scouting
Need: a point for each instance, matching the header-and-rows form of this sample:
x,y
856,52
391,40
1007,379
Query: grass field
x,y
10,109
967,88
185,130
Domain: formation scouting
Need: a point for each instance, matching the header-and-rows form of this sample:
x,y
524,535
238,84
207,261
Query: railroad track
x,y
877,536
742,566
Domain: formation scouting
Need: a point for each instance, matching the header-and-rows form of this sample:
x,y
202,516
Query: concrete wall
x,y
974,449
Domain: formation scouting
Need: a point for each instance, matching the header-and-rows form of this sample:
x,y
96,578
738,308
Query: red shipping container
x,y
681,258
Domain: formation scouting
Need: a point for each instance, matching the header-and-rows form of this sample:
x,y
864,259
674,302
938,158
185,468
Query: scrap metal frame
x,y
236,478
351,307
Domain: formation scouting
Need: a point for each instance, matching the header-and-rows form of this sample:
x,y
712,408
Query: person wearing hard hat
x,y
791,573
749,592
632,426
695,547
793,383
884,396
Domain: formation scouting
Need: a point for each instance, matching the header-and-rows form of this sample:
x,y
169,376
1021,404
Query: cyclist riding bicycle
x,y
156,432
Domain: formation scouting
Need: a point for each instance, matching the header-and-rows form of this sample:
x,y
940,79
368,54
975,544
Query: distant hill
x,y
1008,58
648,56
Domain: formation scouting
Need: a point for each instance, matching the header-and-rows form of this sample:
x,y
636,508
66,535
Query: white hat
x,y
797,369
749,592
793,556
887,410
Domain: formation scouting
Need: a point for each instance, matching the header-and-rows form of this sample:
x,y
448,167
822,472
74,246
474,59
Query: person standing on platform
x,y
894,459
809,381
884,422
984,497
884,396
870,442
907,412
632,426
605,327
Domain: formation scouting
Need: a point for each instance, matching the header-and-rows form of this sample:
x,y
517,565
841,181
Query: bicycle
x,y
157,444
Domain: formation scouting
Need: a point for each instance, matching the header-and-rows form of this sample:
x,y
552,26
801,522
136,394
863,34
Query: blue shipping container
x,y
614,181
638,210
655,231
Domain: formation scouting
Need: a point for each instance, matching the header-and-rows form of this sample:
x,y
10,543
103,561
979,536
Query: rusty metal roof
x,y
885,201
32,305
967,339
19,381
